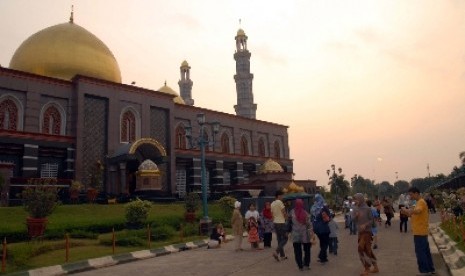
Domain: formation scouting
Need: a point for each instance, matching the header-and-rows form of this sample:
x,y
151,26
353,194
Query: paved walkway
x,y
395,257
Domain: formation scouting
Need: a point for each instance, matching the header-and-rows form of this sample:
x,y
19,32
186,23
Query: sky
x,y
375,87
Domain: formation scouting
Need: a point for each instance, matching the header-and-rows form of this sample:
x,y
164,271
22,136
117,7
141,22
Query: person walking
x,y
419,224
388,210
374,227
363,218
302,232
320,218
237,223
279,220
266,225
403,218
333,242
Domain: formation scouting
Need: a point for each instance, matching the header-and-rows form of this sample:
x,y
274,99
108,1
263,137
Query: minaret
x,y
245,106
185,84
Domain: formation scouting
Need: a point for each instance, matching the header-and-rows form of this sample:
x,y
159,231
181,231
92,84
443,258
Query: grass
x,y
93,222
455,233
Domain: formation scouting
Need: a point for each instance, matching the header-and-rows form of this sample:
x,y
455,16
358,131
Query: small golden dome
x,y
184,64
168,90
65,50
240,32
148,165
294,188
270,166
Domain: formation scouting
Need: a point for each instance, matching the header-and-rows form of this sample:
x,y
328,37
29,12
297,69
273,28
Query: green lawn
x,y
95,222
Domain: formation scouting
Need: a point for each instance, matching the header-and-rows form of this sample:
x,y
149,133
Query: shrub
x,y
125,238
162,232
137,212
227,205
192,202
190,229
40,197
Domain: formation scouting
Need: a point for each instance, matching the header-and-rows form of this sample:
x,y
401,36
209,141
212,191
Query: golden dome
x,y
184,64
240,32
168,90
270,166
65,50
148,165
294,188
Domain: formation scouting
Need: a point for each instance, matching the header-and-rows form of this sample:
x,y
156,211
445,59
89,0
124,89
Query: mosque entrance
x,y
139,168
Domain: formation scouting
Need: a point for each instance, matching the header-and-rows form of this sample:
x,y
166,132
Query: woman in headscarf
x,y
266,225
301,234
320,219
237,223
363,218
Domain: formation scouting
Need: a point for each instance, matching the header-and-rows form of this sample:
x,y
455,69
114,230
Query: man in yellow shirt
x,y
420,221
278,211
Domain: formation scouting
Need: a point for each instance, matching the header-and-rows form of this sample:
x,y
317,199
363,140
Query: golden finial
x,y
239,22
165,82
71,18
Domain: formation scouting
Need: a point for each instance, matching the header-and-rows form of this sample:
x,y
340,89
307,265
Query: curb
x,y
105,261
453,257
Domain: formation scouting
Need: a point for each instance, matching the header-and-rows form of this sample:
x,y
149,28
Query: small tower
x,y
185,84
243,78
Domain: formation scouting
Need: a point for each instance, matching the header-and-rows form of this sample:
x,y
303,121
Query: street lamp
x,y
333,177
354,182
203,141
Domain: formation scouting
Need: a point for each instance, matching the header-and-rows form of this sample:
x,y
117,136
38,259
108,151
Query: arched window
x,y
128,127
277,150
225,143
180,137
51,121
261,148
244,146
8,115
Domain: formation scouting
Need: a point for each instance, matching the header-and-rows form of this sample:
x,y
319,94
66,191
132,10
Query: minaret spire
x,y
185,83
245,106
71,18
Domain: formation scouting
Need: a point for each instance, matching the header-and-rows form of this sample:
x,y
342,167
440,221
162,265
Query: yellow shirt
x,y
277,208
420,220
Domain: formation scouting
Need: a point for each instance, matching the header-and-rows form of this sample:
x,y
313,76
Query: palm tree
x,y
462,157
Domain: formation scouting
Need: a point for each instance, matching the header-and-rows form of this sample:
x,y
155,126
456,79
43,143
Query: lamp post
x,y
354,182
333,177
203,141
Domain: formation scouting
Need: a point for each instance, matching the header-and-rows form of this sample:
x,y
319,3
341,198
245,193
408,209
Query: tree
x,y
400,187
386,189
462,157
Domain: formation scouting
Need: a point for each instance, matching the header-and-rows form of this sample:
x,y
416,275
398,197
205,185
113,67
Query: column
x,y
30,161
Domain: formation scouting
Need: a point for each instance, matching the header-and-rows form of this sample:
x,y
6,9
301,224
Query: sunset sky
x,y
374,87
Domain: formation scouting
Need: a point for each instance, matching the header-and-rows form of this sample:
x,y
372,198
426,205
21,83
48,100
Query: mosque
x,y
64,110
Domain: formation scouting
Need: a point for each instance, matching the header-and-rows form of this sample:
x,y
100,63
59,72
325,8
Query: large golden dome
x,y
65,50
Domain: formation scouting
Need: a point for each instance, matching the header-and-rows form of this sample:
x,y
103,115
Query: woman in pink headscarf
x,y
302,233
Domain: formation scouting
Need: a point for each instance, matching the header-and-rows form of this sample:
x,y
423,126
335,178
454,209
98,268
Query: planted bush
x,y
137,212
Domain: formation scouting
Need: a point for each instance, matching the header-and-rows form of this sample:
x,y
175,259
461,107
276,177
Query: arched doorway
x,y
125,162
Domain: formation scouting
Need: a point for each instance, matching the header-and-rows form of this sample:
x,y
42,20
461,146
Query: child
x,y
333,235
220,230
215,237
403,218
266,225
252,226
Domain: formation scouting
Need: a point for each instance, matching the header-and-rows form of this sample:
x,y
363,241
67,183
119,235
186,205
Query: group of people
x,y
305,226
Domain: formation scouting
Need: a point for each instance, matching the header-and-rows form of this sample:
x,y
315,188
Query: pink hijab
x,y
299,211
